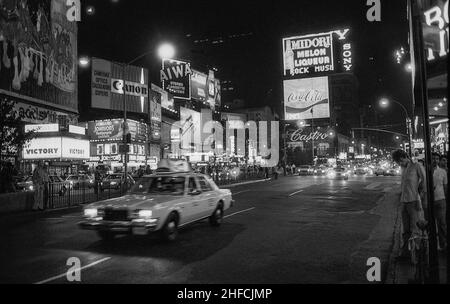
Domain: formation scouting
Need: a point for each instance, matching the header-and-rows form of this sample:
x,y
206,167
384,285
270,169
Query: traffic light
x,y
127,138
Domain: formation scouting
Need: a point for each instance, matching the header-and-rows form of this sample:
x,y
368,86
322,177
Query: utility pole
x,y
421,94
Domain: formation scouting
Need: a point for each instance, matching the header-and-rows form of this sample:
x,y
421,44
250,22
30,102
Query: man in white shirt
x,y
412,190
440,192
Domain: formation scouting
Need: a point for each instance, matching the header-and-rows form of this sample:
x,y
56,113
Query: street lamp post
x,y
165,51
385,102
285,146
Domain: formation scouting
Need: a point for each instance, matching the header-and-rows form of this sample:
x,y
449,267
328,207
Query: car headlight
x,y
31,187
315,171
145,213
90,212
113,183
331,174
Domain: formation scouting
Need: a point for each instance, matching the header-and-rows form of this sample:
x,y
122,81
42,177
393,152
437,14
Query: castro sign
x,y
299,135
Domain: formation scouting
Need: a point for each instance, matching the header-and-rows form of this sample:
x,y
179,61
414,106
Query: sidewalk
x,y
402,272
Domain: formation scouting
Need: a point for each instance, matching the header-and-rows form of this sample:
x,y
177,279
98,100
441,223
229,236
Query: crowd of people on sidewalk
x,y
414,202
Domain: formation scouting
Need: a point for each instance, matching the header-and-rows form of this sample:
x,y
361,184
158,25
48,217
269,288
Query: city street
x,y
296,229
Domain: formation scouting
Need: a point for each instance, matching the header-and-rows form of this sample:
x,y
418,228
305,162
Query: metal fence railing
x,y
64,194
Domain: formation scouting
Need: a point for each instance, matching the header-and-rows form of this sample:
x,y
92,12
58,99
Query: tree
x,y
12,132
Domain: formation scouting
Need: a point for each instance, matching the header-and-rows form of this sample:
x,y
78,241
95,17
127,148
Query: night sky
x,y
247,41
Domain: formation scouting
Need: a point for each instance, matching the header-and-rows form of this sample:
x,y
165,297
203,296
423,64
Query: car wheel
x,y
217,217
106,235
170,229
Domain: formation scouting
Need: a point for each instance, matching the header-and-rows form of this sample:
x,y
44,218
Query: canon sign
x,y
131,88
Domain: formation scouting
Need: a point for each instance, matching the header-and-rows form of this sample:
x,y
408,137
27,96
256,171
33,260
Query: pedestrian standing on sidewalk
x,y
38,183
440,193
412,189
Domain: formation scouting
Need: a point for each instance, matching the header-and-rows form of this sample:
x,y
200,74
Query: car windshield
x,y
339,169
114,176
163,185
304,167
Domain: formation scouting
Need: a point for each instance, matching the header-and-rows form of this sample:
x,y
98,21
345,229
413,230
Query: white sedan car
x,y
163,202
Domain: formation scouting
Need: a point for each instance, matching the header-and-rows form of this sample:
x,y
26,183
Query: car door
x,y
208,198
190,205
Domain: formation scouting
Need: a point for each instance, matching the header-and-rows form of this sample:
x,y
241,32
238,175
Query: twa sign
x,y
176,78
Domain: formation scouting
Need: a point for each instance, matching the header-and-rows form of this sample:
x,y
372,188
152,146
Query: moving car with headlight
x,y
319,171
115,181
338,173
305,170
162,202
392,172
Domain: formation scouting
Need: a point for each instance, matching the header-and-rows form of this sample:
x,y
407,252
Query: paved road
x,y
290,230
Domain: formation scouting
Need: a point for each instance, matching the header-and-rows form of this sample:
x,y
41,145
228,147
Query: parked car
x,y
115,181
25,184
360,171
80,181
305,170
162,202
379,171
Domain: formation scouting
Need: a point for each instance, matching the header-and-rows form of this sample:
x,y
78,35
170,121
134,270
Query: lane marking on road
x,y
81,268
71,216
245,210
294,193
372,186
240,192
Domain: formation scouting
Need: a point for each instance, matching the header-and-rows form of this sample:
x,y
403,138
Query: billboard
x,y
155,116
306,98
112,130
39,55
321,53
176,78
190,128
107,86
167,101
56,148
199,86
235,120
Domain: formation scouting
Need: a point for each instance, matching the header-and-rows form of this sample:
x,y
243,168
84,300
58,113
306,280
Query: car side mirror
x,y
194,192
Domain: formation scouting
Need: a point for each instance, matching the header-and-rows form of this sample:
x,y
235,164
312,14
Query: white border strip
x,y
81,268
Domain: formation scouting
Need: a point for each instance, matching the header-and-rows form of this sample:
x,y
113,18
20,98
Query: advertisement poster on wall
x,y
199,86
107,86
155,116
321,53
167,101
39,59
306,98
112,130
176,78
56,148
190,129
217,93
211,89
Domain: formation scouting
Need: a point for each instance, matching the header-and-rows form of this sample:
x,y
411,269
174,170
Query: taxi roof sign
x,y
173,165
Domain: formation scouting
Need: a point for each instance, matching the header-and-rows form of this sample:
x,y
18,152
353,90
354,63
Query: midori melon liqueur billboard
x,y
316,54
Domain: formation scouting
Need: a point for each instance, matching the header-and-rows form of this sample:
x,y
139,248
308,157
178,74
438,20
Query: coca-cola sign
x,y
302,135
306,98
